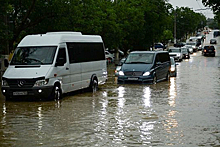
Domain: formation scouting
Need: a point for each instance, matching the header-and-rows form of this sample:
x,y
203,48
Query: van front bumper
x,y
34,92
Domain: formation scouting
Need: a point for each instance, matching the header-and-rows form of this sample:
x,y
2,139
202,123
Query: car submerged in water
x,y
173,68
208,51
176,53
145,66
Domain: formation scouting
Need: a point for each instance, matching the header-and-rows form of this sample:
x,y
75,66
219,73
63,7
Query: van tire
x,y
93,85
154,80
56,93
168,76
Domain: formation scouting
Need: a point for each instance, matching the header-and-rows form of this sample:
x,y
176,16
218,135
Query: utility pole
x,y
175,26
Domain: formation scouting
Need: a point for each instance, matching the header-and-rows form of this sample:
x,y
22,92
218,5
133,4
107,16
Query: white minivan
x,y
49,65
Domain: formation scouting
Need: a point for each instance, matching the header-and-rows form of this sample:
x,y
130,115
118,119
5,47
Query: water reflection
x,y
172,92
147,96
40,117
121,91
4,114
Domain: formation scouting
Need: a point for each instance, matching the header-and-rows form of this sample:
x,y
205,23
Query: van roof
x,y
55,38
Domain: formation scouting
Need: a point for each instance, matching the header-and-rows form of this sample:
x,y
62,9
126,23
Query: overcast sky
x,y
195,4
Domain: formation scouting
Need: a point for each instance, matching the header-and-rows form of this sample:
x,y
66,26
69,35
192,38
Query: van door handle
x,y
67,68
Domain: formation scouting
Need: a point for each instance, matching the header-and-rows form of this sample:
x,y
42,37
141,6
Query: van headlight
x,y
41,82
121,73
146,73
4,83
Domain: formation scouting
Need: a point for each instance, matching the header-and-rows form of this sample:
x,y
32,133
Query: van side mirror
x,y
60,62
158,63
6,63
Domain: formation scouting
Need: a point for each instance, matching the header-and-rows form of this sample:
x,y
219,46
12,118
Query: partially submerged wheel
x,y
168,76
93,85
154,80
56,93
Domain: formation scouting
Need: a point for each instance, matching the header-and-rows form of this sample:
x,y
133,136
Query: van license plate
x,y
20,93
134,79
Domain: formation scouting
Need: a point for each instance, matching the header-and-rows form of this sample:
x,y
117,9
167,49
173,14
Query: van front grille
x,y
133,73
22,83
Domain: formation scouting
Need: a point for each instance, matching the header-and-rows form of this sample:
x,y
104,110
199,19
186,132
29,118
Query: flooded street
x,y
182,112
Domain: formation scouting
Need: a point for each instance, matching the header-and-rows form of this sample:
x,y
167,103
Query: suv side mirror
x,y
60,62
6,63
158,63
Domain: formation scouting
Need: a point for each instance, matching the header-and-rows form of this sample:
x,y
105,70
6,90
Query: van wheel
x,y
168,76
154,80
56,93
93,85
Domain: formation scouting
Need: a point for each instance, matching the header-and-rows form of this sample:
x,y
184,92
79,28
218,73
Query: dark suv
x,y
145,66
208,50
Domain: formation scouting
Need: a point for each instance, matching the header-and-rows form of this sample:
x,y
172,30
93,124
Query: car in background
x,y
173,68
176,53
180,44
109,57
185,52
213,41
189,48
193,45
159,47
208,50
216,33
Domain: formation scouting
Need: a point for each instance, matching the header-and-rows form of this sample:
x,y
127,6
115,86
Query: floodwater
x,y
184,111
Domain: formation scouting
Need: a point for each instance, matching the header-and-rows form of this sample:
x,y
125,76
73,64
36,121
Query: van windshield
x,y
33,55
135,58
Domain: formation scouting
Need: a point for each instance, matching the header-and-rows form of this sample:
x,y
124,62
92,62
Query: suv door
x,y
158,67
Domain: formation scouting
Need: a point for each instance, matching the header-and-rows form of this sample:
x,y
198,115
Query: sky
x,y
194,4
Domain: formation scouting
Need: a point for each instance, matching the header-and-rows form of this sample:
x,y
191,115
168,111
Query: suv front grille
x,y
133,73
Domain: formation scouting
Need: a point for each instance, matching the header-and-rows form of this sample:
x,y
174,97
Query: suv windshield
x,y
146,58
33,55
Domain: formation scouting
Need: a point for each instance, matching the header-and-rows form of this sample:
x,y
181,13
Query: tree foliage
x,y
124,24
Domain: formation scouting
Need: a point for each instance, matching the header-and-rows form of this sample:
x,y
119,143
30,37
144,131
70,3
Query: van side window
x,y
164,57
62,54
85,52
157,58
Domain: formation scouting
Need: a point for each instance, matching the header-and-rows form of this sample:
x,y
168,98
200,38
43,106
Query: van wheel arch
x,y
56,92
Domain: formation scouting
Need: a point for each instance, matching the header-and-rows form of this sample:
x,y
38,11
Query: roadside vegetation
x,y
124,24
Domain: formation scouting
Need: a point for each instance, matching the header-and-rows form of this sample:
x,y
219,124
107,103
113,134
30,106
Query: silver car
x,y
176,53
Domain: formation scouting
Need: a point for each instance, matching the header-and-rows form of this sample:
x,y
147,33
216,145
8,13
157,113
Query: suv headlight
x,y
121,73
146,73
41,82
4,83
172,69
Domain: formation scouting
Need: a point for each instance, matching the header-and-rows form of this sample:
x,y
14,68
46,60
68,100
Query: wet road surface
x,y
182,112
